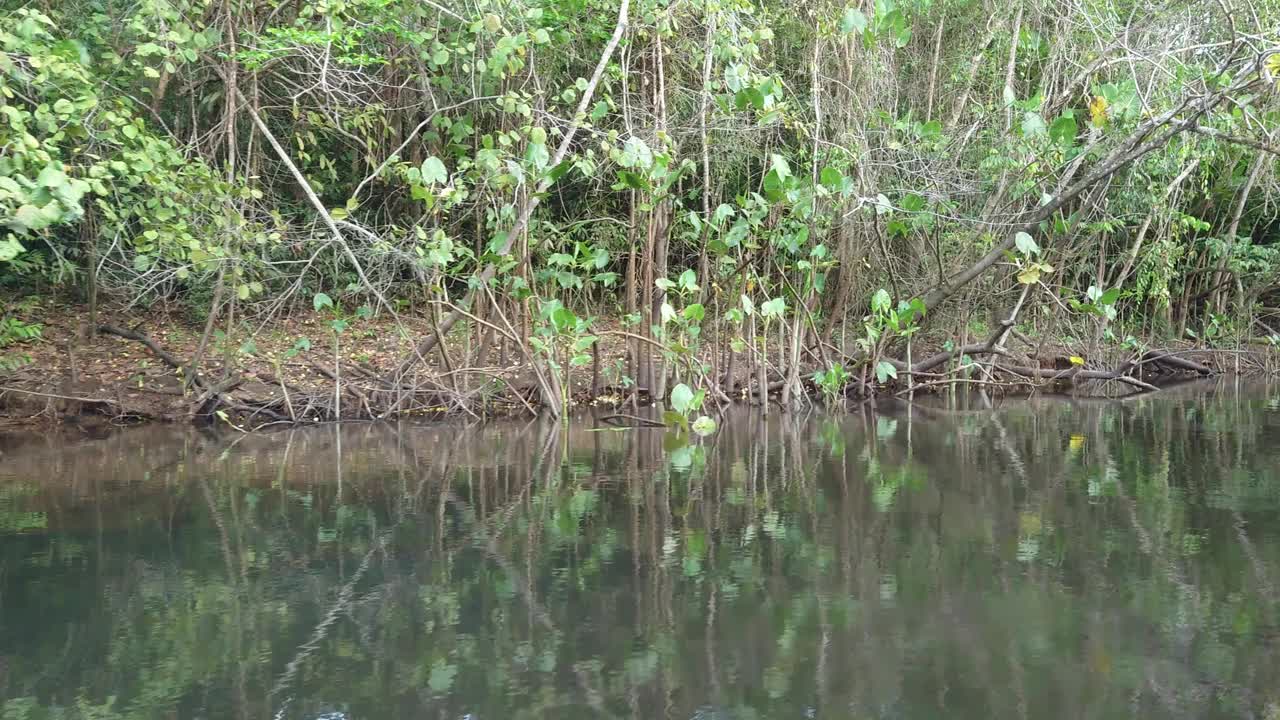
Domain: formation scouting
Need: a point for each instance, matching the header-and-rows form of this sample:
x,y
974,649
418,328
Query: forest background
x,y
366,208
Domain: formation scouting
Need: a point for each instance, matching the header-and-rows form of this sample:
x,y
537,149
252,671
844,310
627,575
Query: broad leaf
x,y
704,426
884,371
881,301
1026,245
773,308
853,21
682,399
434,171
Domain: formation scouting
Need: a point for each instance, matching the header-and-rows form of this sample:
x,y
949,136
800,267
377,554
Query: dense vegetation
x,y
782,190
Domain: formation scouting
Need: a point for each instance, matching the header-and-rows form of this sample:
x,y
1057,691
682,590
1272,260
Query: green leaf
x,y
29,217
773,308
1109,297
633,180
1032,124
563,319
913,203
321,301
635,154
688,280
1025,244
884,371
880,301
558,171
1063,130
694,313
780,166
10,248
51,177
704,426
831,178
434,172
853,21
682,399
668,313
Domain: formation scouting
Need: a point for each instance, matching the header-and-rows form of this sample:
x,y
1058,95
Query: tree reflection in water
x,y
1045,559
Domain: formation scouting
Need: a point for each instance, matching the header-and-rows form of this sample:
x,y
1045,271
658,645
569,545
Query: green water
x,y
1042,559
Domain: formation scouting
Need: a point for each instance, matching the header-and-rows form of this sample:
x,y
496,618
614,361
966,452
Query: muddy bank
x,y
297,370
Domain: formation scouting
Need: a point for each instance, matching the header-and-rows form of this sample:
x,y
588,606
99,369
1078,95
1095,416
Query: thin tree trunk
x,y
89,241
933,70
1218,299
1009,92
703,273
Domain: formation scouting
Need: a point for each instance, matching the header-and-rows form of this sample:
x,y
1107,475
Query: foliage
x,y
16,332
802,156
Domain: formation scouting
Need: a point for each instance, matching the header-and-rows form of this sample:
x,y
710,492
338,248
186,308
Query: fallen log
x,y
1165,358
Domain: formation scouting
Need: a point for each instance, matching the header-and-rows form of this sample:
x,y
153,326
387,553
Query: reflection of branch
x,y
322,629
490,545
1259,569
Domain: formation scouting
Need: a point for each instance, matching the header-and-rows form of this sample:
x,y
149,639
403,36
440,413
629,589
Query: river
x,y
1042,558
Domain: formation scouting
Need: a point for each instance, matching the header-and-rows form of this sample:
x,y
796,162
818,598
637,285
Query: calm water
x,y
1043,559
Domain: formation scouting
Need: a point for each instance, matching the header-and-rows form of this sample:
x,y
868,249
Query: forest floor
x,y
67,374
288,363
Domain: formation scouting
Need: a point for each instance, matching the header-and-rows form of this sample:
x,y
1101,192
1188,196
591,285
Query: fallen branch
x,y
1117,375
639,421
151,345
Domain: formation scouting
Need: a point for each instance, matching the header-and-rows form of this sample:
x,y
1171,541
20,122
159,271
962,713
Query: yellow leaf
x,y
1098,110
1077,442
1030,276
1076,360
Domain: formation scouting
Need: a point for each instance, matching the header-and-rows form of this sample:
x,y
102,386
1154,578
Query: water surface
x,y
1038,559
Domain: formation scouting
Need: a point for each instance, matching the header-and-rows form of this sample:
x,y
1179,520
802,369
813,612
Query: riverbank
x,y
296,369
